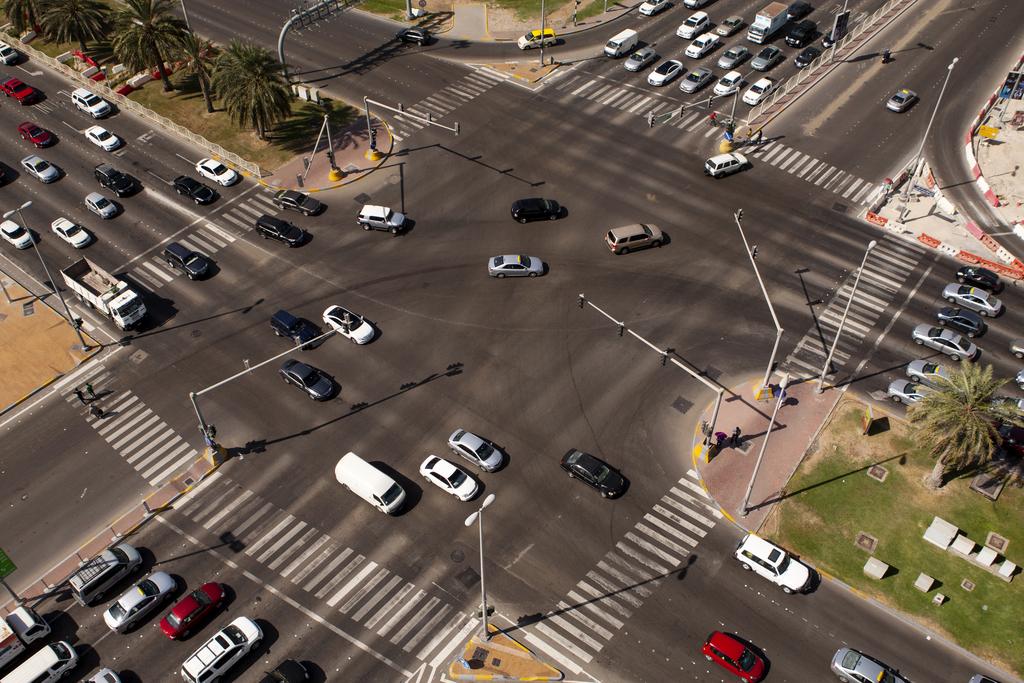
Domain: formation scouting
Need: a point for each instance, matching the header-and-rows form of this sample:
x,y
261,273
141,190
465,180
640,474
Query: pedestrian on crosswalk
x,y
759,137
89,390
97,412
80,396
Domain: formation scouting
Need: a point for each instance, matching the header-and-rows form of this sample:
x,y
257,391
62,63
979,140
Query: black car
x,y
798,10
109,177
288,671
593,472
979,277
535,209
961,320
317,385
272,228
179,257
194,190
806,56
801,34
299,330
414,34
297,201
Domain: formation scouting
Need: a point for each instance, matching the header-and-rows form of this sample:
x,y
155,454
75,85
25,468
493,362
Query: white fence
x,y
104,91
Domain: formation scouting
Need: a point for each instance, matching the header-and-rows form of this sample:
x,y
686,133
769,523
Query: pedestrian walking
x,y
736,437
89,390
81,398
720,438
97,412
760,136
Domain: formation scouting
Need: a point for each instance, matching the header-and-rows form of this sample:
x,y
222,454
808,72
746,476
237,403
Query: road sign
x,y
839,26
1010,88
662,118
6,566
988,131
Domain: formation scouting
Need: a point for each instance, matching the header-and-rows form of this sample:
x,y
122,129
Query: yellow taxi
x,y
536,38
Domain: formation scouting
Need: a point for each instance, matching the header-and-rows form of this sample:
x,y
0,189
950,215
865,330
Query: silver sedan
x,y
946,341
903,391
515,265
973,298
696,79
139,600
640,59
928,372
733,57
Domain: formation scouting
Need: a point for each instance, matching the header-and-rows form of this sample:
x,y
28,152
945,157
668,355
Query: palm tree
x,y
198,57
23,14
249,81
65,21
144,31
958,423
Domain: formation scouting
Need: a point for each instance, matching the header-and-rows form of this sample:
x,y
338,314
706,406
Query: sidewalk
x,y
727,474
999,160
500,658
479,23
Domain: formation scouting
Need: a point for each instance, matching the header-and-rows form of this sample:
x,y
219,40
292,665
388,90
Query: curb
x,y
972,162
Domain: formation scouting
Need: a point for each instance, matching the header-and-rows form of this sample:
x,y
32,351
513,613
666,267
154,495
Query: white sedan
x,y
72,233
349,325
729,83
758,91
702,45
19,237
449,477
217,172
665,72
652,7
102,138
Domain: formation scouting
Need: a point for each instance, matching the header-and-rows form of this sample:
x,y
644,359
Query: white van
x,y
48,665
621,43
369,483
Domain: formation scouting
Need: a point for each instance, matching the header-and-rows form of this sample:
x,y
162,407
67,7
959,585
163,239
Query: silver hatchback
x,y
928,372
475,449
946,341
850,665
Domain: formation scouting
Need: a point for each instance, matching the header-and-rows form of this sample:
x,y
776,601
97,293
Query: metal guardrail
x,y
104,91
825,59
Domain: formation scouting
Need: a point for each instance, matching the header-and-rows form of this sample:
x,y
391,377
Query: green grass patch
x,y
293,136
393,9
590,9
832,500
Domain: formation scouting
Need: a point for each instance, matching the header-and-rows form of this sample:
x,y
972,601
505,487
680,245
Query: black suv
x,y
194,190
414,34
299,330
801,33
272,228
297,201
535,209
979,277
190,263
961,320
119,183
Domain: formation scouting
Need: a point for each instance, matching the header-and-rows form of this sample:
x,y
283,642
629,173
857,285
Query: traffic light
x,y
650,119
373,138
710,97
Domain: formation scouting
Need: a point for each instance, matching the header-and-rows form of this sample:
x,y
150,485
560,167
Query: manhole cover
x,y
681,404
997,542
458,556
866,542
468,577
878,473
967,585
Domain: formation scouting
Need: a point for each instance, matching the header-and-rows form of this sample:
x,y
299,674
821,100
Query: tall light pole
x,y
920,150
56,290
479,515
543,19
764,444
771,309
185,12
835,342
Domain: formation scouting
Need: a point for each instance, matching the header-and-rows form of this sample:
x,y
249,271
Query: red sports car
x,y
40,137
733,655
24,93
192,610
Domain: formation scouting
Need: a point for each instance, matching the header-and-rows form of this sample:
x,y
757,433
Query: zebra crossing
x,y
641,102
418,620
447,100
132,429
600,603
207,239
888,266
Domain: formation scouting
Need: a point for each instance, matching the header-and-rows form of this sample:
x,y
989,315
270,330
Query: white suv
x,y
93,105
222,651
773,563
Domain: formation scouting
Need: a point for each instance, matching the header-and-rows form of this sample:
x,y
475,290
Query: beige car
x,y
632,237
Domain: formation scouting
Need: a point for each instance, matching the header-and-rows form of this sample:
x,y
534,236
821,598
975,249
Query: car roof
x,y
726,644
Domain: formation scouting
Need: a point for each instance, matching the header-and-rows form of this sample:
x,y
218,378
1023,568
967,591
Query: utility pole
x,y
924,138
764,444
185,12
543,23
835,342
771,309
478,516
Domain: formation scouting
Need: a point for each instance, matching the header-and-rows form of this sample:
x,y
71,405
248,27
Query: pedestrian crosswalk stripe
x,y
162,456
815,164
663,540
454,642
376,598
697,489
297,526
633,583
397,616
208,244
220,232
363,590
853,187
124,419
841,176
583,87
825,175
216,503
253,211
680,497
227,509
389,605
147,423
315,581
575,632
777,154
555,654
651,548
162,274
339,577
577,613
609,587
426,628
410,623
237,221
449,628
141,455
895,260
857,197
669,529
833,323
265,538
597,93
640,104
878,280
606,598
591,604
571,647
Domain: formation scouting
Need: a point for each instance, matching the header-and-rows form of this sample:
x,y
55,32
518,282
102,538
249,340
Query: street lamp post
x,y
56,290
764,444
771,309
920,149
835,342
185,12
543,20
479,515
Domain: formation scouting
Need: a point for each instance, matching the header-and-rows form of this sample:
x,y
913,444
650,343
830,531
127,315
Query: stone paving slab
x,y
500,658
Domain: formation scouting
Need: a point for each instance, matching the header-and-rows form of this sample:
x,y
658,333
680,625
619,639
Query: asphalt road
x,y
514,360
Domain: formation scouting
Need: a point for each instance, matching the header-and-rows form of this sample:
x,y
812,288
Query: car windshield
x,y
117,611
484,450
307,374
173,620
601,472
746,660
457,479
235,634
71,230
147,587
218,169
102,202
392,494
525,260
40,165
16,231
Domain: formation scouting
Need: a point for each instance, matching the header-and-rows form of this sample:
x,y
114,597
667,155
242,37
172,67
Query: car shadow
x,y
251,660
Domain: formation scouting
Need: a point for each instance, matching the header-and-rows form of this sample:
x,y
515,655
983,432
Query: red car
x,y
192,610
24,93
40,137
733,655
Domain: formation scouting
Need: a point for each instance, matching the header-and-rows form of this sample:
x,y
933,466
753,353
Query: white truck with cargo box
x,y
46,666
104,292
622,43
18,629
369,483
768,21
